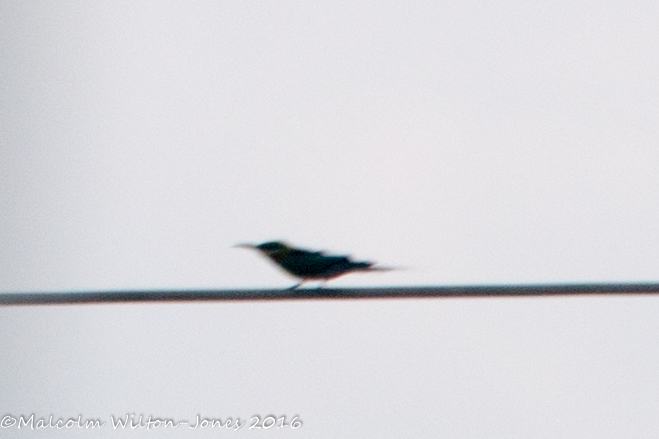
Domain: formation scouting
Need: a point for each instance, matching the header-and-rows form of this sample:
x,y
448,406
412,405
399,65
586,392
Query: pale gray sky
x,y
471,142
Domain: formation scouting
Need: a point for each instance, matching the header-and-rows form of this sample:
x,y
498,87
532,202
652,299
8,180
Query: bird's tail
x,y
370,267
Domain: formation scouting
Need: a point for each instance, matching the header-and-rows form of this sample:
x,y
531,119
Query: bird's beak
x,y
244,246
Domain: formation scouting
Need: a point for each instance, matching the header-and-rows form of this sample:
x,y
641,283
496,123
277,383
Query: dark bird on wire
x,y
308,265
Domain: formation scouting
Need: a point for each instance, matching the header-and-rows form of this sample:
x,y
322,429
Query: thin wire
x,y
101,297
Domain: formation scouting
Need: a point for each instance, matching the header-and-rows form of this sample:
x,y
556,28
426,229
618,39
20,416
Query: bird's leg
x,y
294,287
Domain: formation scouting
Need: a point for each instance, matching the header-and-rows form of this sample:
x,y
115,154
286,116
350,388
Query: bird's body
x,y
309,265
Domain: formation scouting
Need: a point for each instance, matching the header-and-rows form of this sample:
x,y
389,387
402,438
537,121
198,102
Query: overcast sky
x,y
467,142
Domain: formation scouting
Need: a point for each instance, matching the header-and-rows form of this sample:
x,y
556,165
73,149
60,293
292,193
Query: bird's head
x,y
268,248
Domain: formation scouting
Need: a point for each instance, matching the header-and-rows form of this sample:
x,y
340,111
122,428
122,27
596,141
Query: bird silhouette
x,y
310,265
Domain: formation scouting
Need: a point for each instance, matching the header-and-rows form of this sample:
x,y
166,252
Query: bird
x,y
309,265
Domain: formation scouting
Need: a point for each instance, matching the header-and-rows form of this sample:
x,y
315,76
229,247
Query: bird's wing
x,y
312,264
301,253
320,260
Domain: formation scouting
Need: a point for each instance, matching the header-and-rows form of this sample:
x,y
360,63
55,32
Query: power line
x,y
99,297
